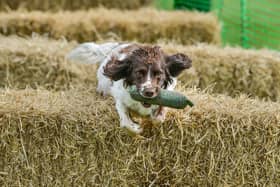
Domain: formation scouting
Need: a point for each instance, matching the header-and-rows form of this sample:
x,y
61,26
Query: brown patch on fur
x,y
112,61
116,69
148,54
141,60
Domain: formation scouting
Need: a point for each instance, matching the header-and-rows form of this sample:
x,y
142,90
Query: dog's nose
x,y
148,93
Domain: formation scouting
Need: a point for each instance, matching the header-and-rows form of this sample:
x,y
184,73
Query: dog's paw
x,y
158,116
102,92
133,127
159,119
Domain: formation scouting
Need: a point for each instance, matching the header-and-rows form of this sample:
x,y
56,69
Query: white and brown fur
x,y
123,65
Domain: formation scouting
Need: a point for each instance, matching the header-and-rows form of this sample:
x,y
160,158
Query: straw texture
x,y
144,25
233,70
50,5
72,138
40,62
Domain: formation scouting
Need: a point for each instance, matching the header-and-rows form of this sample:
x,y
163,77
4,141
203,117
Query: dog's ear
x,y
177,63
117,69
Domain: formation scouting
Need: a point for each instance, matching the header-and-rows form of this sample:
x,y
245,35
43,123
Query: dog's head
x,y
148,68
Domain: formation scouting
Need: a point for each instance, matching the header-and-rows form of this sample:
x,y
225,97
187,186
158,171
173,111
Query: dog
x,y
125,64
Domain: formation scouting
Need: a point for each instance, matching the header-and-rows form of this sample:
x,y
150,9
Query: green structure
x,y
246,23
200,5
250,23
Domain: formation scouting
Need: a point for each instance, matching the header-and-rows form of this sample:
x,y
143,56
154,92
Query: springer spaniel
x,y
123,65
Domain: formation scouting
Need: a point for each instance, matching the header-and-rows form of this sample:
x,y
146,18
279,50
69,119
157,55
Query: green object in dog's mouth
x,y
165,98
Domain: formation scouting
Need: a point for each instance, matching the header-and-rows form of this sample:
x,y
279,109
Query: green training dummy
x,y
165,98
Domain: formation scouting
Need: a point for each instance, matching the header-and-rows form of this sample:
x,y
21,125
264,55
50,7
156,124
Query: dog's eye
x,y
140,73
157,73
158,79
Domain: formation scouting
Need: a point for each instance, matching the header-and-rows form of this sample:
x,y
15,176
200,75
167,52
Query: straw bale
x,y
227,70
51,5
232,70
39,62
72,138
144,25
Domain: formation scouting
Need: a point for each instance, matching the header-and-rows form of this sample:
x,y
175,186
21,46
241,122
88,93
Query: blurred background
x,y
246,23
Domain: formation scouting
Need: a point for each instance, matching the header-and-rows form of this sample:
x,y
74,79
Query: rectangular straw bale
x,y
233,70
144,25
39,63
225,70
72,138
51,5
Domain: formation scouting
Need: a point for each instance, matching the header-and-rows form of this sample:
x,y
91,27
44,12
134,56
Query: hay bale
x,y
225,70
144,25
50,5
72,139
234,70
36,63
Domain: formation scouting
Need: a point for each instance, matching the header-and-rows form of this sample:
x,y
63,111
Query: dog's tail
x,y
91,53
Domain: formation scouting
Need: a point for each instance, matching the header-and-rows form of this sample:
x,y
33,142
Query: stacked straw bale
x,y
233,70
51,5
40,62
144,25
72,138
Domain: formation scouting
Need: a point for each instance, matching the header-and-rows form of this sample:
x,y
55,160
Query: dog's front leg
x,y
158,116
125,120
